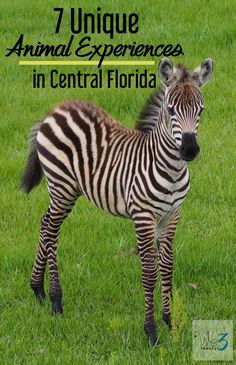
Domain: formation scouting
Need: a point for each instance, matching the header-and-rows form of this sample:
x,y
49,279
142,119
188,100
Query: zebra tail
x,y
33,170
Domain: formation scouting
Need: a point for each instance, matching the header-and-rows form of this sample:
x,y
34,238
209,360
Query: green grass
x,y
102,293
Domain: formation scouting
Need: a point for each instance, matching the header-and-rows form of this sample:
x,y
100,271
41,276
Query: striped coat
x,y
138,173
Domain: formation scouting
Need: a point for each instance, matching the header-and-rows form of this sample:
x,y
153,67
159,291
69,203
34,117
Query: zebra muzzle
x,y
189,147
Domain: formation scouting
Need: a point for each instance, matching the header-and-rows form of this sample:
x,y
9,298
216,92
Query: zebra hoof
x,y
56,307
167,319
39,293
150,330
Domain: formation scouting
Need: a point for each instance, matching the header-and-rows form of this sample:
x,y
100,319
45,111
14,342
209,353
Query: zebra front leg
x,y
37,278
145,225
165,235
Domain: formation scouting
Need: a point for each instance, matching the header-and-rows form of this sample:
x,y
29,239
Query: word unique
x,y
90,23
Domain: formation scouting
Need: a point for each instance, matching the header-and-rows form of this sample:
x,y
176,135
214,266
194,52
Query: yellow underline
x,y
86,63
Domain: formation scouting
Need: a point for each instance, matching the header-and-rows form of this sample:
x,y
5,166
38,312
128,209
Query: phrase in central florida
x,y
108,78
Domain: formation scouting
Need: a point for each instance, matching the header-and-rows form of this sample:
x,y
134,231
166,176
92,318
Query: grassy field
x,y
102,293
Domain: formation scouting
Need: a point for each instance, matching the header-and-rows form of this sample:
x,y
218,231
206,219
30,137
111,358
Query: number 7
x,y
59,18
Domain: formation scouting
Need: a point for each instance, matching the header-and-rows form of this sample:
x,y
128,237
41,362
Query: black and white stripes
x,y
137,173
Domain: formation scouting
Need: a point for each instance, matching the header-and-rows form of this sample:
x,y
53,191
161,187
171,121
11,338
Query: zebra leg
x,y
145,226
37,278
165,235
59,210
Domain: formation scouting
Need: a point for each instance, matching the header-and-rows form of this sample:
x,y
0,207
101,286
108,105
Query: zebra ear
x,y
165,71
203,73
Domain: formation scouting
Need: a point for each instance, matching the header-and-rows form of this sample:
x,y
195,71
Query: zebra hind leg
x,y
59,210
37,278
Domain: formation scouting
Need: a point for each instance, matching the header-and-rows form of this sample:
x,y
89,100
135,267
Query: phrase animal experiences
x,y
138,173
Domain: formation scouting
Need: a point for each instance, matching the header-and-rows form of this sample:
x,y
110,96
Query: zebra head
x,y
183,103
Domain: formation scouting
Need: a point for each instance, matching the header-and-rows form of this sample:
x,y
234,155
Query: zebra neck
x,y
165,153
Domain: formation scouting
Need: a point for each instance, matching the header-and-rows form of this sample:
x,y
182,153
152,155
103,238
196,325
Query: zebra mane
x,y
182,74
149,115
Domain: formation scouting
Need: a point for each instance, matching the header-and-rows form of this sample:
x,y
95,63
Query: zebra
x,y
139,173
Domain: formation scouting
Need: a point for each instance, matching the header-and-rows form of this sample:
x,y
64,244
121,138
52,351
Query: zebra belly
x,y
117,208
106,192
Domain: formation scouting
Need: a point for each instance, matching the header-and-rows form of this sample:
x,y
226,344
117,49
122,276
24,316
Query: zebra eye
x,y
171,110
200,112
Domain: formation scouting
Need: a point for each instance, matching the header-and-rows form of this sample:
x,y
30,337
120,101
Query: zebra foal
x,y
138,173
